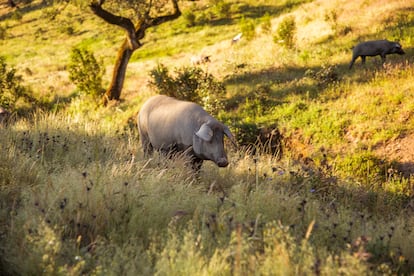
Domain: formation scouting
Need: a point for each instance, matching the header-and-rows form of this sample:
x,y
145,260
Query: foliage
x,y
190,84
86,72
247,27
286,32
11,89
189,18
266,24
221,8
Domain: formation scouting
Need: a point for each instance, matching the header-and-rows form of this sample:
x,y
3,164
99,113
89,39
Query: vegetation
x,y
86,72
286,32
11,90
77,196
190,84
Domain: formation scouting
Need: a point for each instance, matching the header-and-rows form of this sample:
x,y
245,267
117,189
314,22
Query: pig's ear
x,y
205,132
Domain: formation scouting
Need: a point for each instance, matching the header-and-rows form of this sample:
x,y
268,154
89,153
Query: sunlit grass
x,y
83,189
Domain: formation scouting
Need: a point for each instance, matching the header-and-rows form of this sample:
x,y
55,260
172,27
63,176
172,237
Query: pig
x,y
375,48
168,124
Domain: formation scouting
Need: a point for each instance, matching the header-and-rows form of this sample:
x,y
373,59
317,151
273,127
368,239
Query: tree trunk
x,y
118,76
131,42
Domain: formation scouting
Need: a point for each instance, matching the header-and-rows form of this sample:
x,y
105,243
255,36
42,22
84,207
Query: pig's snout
x,y
222,162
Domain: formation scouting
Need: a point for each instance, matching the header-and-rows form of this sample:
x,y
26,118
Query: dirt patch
x,y
400,151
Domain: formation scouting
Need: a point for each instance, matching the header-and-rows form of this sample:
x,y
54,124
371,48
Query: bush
x,y
247,28
190,84
86,72
266,23
221,8
189,18
10,88
286,32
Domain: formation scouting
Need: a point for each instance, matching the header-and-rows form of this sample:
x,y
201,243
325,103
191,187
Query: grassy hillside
x,y
77,195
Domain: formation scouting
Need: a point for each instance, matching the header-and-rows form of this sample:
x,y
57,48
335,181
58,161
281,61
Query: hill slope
x,y
77,195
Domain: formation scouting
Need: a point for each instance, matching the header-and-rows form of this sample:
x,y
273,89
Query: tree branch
x,y
120,21
110,18
162,19
151,22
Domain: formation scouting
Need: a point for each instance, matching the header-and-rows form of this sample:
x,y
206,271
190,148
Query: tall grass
x,y
76,197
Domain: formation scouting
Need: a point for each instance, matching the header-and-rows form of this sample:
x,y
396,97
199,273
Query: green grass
x,y
78,197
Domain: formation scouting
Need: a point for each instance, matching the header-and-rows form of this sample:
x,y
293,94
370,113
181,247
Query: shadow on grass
x,y
249,11
280,83
255,12
23,10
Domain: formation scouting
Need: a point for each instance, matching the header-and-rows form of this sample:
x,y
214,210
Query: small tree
x,y
286,32
10,88
86,72
248,29
266,24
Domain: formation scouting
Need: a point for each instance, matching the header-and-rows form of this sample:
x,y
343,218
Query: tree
x,y
145,14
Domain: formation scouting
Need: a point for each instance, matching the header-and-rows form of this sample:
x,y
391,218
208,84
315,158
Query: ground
x,y
400,150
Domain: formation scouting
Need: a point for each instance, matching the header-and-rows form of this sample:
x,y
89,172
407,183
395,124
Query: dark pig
x,y
167,124
375,48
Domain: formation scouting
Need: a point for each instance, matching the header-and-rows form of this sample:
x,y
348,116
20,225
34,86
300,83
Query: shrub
x,y
189,18
10,88
266,23
190,84
221,8
86,72
286,32
247,28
